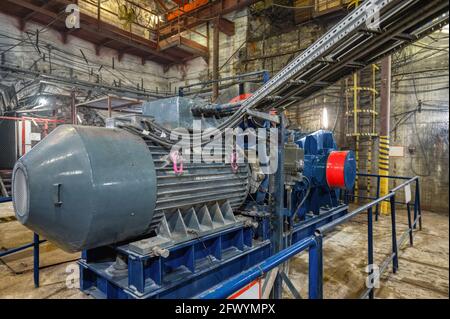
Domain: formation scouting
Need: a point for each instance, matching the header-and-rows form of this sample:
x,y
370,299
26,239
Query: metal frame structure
x,y
167,42
95,29
355,112
351,45
190,268
314,244
109,103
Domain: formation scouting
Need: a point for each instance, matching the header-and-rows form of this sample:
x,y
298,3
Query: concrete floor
x,y
423,273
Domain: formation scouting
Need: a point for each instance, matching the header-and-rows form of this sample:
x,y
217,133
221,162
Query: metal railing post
x,y
36,243
419,206
370,249
315,272
377,209
410,226
394,236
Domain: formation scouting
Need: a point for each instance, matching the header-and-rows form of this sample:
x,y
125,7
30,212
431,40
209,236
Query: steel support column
x,y
73,108
385,115
278,220
215,70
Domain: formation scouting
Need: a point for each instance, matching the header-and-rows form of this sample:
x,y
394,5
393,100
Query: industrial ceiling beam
x,y
201,15
162,5
226,26
179,2
106,30
32,13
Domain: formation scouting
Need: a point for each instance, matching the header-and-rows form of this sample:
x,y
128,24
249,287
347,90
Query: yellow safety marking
x,y
363,88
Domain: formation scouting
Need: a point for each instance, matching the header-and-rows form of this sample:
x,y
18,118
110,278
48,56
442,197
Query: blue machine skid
x,y
191,267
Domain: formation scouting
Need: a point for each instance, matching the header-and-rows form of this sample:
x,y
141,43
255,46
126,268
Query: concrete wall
x,y
67,59
199,69
420,104
257,45
271,50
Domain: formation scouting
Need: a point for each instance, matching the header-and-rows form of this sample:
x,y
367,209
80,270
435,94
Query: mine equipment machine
x,y
152,222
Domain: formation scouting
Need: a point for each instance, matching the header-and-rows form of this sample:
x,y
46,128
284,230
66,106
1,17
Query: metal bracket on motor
x,y
179,226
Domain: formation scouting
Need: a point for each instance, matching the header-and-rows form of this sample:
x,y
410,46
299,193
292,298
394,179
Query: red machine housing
x,y
336,169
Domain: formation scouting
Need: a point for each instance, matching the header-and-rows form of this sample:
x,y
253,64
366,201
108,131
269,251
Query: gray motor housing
x,y
84,187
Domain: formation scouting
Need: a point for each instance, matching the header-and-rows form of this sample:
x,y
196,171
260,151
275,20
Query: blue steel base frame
x,y
35,244
5,199
307,228
190,268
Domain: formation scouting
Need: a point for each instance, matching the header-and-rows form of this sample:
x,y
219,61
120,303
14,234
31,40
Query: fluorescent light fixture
x,y
325,118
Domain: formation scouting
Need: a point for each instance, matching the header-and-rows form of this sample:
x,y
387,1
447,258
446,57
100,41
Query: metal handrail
x,y
239,281
393,256
328,227
315,245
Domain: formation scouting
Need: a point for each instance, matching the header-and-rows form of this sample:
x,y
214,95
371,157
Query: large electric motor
x,y
84,187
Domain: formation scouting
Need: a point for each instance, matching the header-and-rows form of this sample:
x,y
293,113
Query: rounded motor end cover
x,y
81,187
341,170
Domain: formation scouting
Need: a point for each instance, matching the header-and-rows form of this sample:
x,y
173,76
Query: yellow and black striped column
x,y
385,116
383,170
